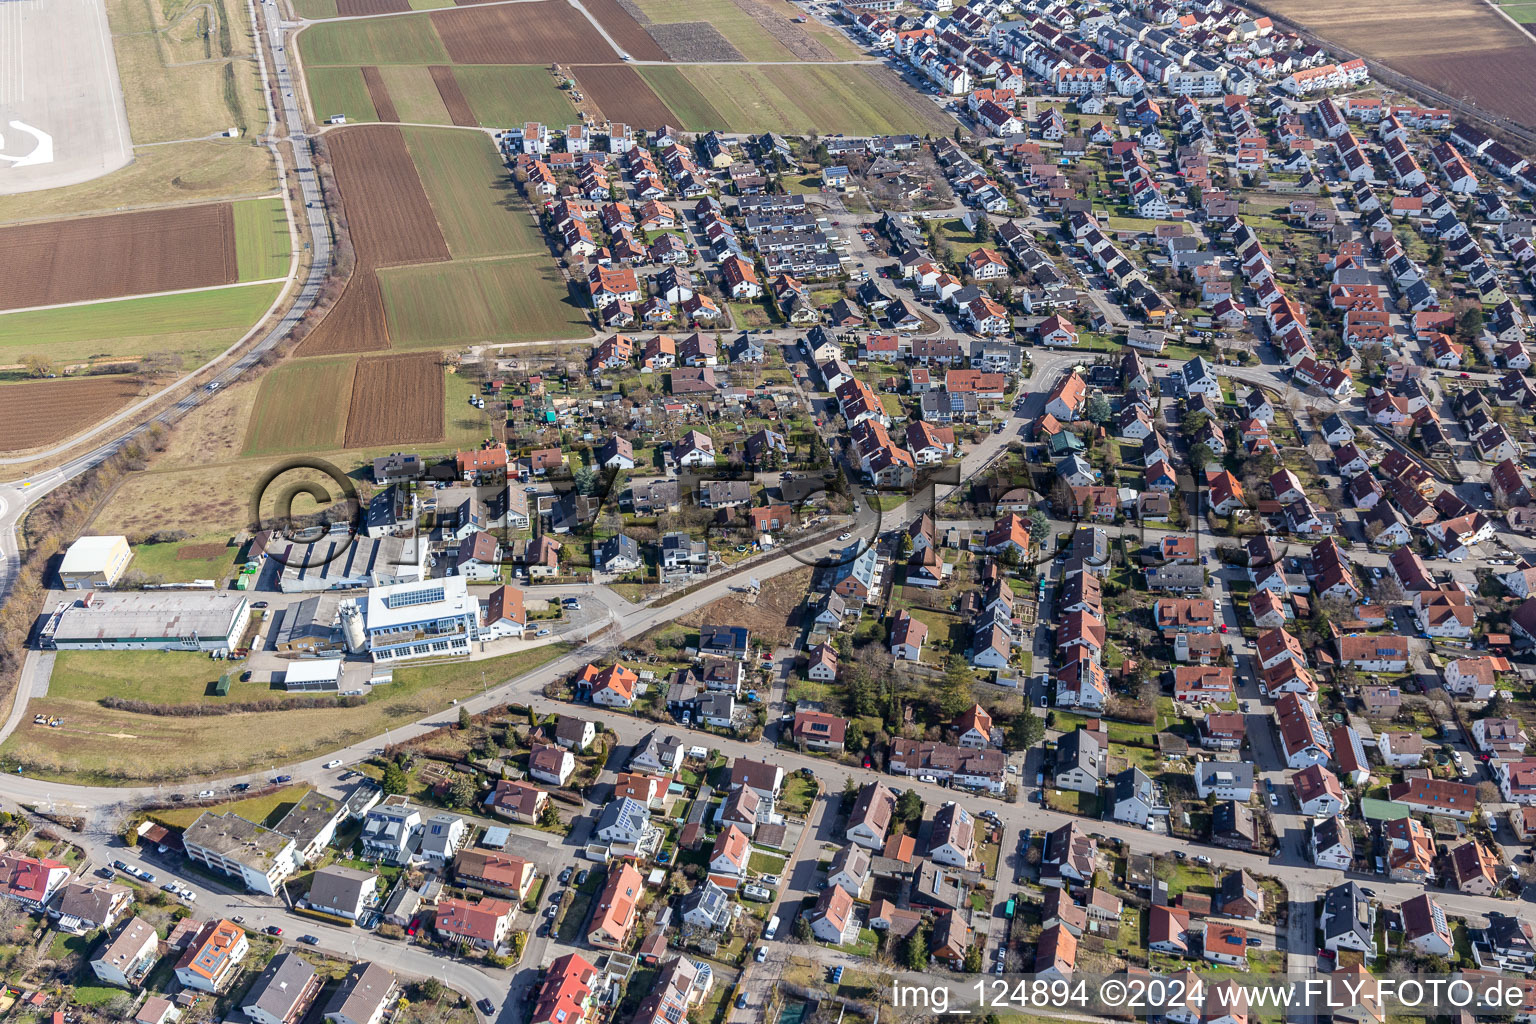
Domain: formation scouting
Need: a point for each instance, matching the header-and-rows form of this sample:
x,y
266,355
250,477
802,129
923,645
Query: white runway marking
x,y
42,153
12,92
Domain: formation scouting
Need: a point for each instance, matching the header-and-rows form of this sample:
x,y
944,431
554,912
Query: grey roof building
x,y
1348,919
342,891
364,995
283,992
707,906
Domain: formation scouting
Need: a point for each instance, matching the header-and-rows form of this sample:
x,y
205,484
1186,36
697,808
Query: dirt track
x,y
452,96
396,399
519,34
122,254
622,95
390,222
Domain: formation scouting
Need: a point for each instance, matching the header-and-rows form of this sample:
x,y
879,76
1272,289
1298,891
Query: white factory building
x,y
93,562
424,619
152,620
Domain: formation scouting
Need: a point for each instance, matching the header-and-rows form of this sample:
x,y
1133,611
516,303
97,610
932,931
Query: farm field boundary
x,y
450,304
120,254
477,206
1460,53
196,325
396,399
622,95
794,99
35,413
301,407
390,221
263,242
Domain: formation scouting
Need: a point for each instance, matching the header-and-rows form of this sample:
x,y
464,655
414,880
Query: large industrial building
x,y
425,619
152,620
93,562
341,561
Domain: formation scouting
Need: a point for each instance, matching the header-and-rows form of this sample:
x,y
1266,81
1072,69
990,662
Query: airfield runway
x,y
62,119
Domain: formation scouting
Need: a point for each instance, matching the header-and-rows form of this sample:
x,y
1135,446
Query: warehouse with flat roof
x,y
151,620
93,562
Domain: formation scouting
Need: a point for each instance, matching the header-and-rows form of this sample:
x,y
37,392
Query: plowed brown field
x,y
378,93
39,412
390,222
124,254
536,33
622,95
1463,48
360,8
396,400
452,96
626,31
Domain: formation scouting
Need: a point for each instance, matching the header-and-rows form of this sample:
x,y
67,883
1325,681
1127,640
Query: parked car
x,y
486,1007
273,929
310,940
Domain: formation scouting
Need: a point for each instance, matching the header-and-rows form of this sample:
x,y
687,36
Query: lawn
x,y
302,406
340,91
476,204
794,99
262,241
410,39
196,324
266,809
464,426
766,863
960,237
161,677
182,561
414,94
103,746
436,305
1071,802
501,95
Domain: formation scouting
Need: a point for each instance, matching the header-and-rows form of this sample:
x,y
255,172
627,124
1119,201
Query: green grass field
x,y
315,8
502,95
473,196
680,94
796,99
415,95
302,407
340,91
410,39
104,746
266,809
160,677
263,244
464,426
165,561
742,31
197,324
437,305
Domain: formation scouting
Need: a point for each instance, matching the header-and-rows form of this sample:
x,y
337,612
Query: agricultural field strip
x,y
140,295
